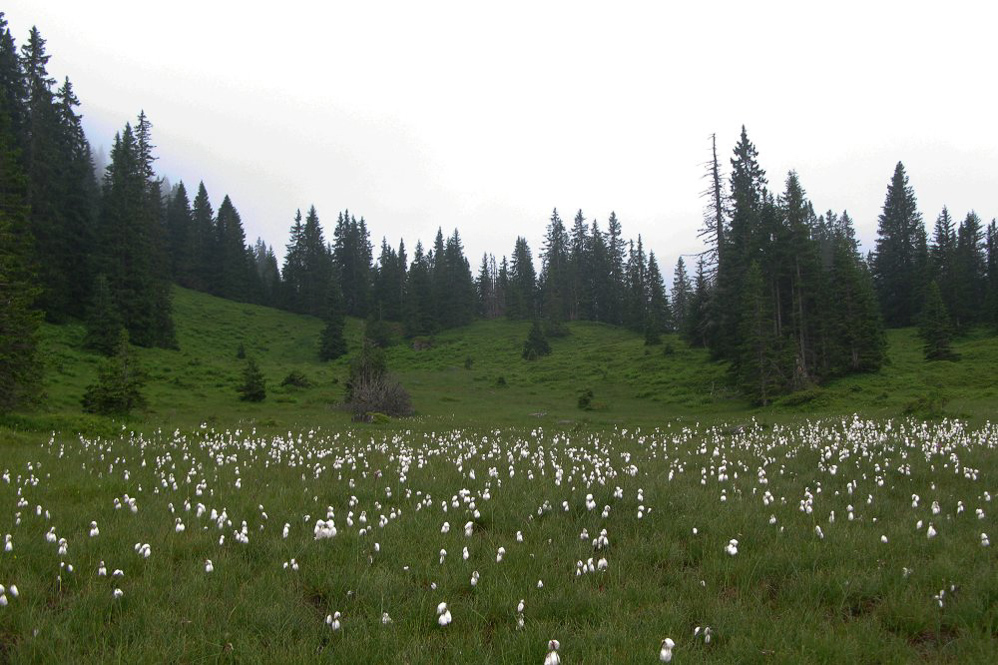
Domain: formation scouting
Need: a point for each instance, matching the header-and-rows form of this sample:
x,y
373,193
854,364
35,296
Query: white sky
x,y
485,117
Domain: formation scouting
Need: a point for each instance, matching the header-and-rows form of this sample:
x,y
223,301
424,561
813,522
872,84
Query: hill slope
x,y
475,375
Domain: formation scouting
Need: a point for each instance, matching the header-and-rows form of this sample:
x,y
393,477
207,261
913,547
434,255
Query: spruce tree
x,y
658,319
179,227
901,255
680,295
103,321
118,389
20,365
254,386
231,270
759,365
555,275
521,297
199,259
935,328
969,274
536,344
332,343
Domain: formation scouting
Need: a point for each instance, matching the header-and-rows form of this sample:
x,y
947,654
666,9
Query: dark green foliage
x,y
760,364
118,390
332,344
522,291
103,322
131,247
19,362
935,327
852,325
555,273
585,401
901,255
352,256
536,344
241,352
969,274
254,385
380,333
231,269
469,362
296,379
372,389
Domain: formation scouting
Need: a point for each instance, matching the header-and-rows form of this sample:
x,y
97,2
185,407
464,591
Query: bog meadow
x,y
786,454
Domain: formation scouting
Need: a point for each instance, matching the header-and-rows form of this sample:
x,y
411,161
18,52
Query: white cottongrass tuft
x,y
665,653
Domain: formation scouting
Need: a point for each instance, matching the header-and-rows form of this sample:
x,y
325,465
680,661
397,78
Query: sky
x,y
486,116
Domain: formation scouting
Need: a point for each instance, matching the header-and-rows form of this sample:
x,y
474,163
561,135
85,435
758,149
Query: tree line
x,y
781,293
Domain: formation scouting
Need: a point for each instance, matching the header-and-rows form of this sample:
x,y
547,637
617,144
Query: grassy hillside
x,y
474,375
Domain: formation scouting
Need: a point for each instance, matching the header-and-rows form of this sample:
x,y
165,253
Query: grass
x,y
661,422
789,595
474,376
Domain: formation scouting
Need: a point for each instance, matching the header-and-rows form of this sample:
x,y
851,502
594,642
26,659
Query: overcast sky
x,y
484,116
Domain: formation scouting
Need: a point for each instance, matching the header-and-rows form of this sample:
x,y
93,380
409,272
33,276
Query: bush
x,y
586,399
469,362
501,382
241,352
119,383
371,388
383,394
254,386
296,379
668,349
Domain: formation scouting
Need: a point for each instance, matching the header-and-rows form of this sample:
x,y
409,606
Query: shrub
x,y
254,386
469,362
118,389
501,382
241,352
586,399
296,379
371,388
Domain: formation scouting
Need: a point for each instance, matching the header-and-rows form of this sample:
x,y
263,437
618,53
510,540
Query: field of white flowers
x,y
831,540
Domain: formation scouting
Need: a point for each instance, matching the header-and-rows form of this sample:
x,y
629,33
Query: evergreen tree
x,y
698,310
555,275
579,268
615,245
231,273
521,293
935,328
179,227
254,386
900,257
103,322
317,266
635,304
853,328
658,320
759,364
268,273
942,253
681,294
417,309
741,239
19,361
293,274
969,273
120,379
991,298
198,264
536,344
332,344
129,253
